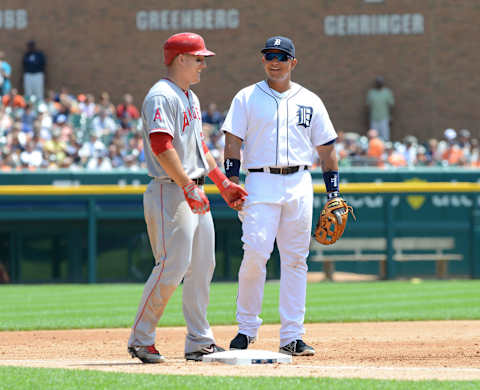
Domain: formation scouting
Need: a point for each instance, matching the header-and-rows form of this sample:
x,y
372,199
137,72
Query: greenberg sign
x,y
387,24
175,19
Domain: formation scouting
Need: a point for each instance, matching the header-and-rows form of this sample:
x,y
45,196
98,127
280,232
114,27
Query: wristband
x,y
331,179
334,194
220,180
232,167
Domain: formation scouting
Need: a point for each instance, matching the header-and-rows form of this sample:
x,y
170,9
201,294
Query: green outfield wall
x,y
128,177
96,233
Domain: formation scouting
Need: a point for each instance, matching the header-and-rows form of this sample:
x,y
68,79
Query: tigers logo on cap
x,y
280,43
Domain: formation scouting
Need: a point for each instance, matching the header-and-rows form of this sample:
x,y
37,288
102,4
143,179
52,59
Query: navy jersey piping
x,y
275,99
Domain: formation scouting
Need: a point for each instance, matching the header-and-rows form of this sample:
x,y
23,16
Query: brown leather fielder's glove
x,y
332,221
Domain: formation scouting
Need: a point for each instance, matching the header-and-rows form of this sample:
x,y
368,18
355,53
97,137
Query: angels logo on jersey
x,y
304,115
194,114
157,115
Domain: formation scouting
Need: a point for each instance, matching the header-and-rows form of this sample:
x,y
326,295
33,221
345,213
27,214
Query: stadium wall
x,y
426,51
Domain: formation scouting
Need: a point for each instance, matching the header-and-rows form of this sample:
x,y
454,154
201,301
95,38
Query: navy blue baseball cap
x,y
280,43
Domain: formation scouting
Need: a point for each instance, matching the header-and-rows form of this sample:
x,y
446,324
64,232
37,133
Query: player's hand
x,y
233,194
196,198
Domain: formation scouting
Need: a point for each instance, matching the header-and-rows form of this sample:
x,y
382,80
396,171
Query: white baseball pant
x,y
278,206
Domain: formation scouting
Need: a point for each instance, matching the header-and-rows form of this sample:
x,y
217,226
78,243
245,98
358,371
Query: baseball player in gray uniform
x,y
280,125
177,212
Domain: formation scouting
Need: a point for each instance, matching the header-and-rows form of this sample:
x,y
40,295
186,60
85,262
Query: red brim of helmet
x,y
204,52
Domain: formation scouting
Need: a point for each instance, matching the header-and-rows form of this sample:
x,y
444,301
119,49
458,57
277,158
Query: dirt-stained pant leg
x,y
171,227
196,286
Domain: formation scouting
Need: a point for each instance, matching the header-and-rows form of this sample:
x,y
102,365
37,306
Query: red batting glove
x,y
196,198
233,194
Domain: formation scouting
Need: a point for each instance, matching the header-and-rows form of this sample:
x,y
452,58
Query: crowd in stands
x,y
66,131
455,148
83,132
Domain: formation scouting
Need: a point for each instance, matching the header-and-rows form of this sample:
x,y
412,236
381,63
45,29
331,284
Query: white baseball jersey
x,y
168,109
278,130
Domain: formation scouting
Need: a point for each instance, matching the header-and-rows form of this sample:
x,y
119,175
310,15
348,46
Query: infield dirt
x,y
443,350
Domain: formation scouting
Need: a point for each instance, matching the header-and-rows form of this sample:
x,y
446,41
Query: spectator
x,y
212,116
105,104
465,144
92,148
394,158
31,157
45,120
126,111
6,120
410,150
453,154
421,159
34,72
103,124
101,162
375,147
432,151
28,117
53,106
380,102
475,153
56,147
5,73
13,99
87,107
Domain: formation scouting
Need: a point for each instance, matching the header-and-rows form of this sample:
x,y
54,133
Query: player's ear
x,y
293,63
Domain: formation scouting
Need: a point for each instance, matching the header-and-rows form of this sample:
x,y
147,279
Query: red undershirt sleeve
x,y
160,142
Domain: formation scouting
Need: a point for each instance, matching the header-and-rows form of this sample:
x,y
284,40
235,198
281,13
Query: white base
x,y
245,357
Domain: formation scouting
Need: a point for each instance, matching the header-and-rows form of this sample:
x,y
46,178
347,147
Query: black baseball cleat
x,y
241,341
198,355
297,348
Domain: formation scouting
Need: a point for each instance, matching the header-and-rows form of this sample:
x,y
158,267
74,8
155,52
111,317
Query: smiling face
x,y
278,71
192,66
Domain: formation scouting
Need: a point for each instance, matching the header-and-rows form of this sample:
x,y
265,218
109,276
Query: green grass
x,y
25,307
41,378
29,307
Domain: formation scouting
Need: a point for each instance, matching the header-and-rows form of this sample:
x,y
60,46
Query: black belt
x,y
280,171
199,181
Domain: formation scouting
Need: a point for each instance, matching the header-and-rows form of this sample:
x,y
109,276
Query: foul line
x,y
338,368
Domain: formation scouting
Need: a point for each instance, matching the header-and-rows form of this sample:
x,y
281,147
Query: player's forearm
x,y
329,164
233,144
328,158
172,165
212,164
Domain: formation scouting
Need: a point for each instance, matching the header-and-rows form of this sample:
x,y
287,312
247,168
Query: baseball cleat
x,y
197,355
241,341
297,348
147,354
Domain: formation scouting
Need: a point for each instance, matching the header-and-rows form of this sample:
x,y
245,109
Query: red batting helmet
x,y
186,42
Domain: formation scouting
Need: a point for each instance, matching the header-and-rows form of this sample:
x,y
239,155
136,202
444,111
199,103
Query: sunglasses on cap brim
x,y
282,57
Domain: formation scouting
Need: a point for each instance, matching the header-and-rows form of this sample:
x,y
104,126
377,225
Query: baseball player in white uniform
x,y
280,125
177,212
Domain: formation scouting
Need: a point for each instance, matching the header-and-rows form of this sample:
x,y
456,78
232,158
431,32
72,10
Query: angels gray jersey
x,y
168,109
